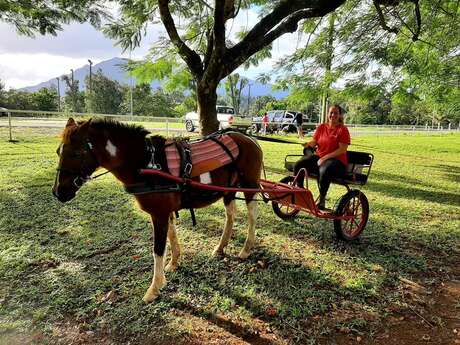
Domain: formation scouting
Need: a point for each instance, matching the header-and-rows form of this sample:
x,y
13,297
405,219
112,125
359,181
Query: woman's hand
x,y
321,161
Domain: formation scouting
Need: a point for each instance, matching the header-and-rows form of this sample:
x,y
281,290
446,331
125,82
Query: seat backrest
x,y
359,165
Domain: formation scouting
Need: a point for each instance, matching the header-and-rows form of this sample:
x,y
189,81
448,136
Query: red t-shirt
x,y
328,140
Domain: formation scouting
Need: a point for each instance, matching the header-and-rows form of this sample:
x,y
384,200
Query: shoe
x,y
321,203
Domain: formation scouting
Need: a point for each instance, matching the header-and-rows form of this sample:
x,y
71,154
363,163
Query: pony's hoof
x,y
170,267
218,252
150,296
243,255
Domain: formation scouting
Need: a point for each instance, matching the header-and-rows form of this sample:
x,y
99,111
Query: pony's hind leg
x,y
160,230
230,211
174,244
251,236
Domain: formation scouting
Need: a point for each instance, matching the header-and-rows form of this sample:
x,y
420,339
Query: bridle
x,y
86,167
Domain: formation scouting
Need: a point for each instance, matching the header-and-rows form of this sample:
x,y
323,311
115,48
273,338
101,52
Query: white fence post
x,y
167,127
9,126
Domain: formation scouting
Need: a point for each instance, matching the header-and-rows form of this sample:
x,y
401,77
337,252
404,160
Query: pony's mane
x,y
119,128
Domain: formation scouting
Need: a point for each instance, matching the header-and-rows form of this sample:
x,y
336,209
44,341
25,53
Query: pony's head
x,y
77,160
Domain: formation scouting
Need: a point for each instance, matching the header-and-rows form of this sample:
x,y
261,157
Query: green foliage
x,y
74,99
259,103
104,96
47,17
148,103
234,85
45,99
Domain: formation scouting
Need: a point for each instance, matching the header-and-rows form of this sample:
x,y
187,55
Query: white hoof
x,y
150,296
244,254
170,267
218,252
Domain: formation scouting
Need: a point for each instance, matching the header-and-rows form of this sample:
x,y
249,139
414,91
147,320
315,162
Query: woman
x,y
331,141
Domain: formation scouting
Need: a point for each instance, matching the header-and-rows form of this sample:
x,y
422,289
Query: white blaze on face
x,y
61,149
111,148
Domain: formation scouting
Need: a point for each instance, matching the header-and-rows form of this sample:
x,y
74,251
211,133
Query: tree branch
x,y
383,23
191,58
284,18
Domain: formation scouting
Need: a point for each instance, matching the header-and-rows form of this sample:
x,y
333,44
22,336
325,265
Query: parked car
x,y
278,120
225,115
3,111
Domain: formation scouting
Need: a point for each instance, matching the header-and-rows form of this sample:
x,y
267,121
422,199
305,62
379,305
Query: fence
x,y
50,119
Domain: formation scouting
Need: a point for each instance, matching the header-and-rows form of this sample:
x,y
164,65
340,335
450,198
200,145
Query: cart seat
x,y
358,168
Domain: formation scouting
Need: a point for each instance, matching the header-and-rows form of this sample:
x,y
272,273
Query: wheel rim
x,y
354,225
189,126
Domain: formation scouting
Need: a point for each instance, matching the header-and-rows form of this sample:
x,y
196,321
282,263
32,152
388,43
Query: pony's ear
x,y
85,125
70,122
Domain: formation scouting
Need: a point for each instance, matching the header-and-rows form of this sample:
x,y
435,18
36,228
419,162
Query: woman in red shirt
x,y
331,141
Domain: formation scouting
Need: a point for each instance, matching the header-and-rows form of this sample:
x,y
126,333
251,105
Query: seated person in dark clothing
x,y
331,141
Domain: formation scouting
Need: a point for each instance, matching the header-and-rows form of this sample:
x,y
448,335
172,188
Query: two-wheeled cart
x,y
350,213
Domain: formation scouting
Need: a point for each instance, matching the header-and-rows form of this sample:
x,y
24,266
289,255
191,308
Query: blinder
x,y
86,167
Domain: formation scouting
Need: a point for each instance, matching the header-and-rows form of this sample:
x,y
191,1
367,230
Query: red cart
x,y
350,213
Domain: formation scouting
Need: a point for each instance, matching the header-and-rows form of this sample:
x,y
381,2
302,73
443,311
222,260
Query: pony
x,y
122,150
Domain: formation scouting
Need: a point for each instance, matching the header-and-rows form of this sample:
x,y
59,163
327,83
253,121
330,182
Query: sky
x,y
28,61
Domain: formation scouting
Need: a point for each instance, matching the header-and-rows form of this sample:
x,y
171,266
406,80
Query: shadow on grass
x,y
102,216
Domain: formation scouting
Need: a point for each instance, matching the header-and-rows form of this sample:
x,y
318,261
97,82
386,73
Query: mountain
x,y
113,69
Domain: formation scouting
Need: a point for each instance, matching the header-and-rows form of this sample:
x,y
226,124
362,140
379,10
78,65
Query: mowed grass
x,y
79,270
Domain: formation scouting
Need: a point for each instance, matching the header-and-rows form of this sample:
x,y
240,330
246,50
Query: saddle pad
x,y
206,155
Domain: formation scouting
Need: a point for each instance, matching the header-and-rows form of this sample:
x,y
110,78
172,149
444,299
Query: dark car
x,y
278,120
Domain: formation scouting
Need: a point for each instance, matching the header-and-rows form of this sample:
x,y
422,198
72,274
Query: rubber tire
x,y
340,210
189,126
276,207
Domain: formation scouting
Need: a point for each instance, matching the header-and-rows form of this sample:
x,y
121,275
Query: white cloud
x,y
27,61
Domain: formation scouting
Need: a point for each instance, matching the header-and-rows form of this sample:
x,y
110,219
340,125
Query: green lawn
x,y
58,261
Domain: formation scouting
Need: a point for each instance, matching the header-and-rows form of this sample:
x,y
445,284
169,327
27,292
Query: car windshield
x,y
225,110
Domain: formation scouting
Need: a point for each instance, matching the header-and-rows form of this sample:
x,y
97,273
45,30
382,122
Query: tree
x,y
234,85
105,95
74,100
46,17
2,94
45,99
148,103
260,103
203,46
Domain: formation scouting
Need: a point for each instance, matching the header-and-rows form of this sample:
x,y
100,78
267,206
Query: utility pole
x,y
71,70
90,75
249,96
131,87
58,95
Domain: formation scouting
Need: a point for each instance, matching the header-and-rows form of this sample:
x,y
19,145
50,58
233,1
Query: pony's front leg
x,y
160,231
251,236
174,243
230,211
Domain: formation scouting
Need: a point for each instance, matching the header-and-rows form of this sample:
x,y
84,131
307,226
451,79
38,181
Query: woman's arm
x,y
341,150
311,143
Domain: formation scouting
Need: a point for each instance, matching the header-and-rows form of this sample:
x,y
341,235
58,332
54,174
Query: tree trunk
x,y
207,101
328,68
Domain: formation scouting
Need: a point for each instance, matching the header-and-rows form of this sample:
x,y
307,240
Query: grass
x,y
59,262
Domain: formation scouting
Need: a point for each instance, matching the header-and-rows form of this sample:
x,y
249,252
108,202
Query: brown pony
x,y
122,150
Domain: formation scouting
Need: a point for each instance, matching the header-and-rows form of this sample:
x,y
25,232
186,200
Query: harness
x,y
86,168
177,158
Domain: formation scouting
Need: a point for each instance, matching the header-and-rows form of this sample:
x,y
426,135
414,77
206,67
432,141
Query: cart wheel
x,y
285,212
354,203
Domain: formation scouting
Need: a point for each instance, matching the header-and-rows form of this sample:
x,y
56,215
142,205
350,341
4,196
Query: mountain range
x,y
113,69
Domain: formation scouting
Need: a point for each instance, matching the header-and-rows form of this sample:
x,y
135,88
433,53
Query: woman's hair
x,y
341,112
